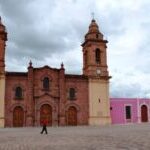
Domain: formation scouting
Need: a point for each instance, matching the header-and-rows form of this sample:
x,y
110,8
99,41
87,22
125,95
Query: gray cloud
x,y
129,90
34,37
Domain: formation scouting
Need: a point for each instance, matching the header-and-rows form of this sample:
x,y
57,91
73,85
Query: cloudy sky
x,y
49,32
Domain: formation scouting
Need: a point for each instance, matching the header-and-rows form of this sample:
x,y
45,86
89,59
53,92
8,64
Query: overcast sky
x,y
49,32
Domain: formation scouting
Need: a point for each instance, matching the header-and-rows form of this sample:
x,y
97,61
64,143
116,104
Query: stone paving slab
x,y
113,137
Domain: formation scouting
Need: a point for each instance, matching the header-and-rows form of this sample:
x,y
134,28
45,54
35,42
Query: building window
x,y
18,92
46,83
72,94
97,55
128,112
86,59
97,36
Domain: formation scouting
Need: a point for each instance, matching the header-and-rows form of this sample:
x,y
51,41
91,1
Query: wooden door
x,y
144,113
18,117
46,114
71,116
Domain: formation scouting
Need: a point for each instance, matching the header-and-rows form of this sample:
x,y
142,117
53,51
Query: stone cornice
x,y
45,94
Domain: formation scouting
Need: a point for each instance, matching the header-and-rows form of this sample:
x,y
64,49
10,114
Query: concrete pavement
x,y
113,137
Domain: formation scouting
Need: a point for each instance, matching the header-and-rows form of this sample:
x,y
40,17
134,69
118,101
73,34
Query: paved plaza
x,y
113,137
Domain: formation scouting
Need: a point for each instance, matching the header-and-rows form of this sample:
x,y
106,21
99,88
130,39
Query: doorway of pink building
x,y
144,113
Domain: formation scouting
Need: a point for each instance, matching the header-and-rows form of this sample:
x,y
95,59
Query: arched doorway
x,y
18,117
144,113
46,114
71,116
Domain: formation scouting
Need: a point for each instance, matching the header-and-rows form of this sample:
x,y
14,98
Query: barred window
x,y
72,94
128,112
18,92
97,55
46,83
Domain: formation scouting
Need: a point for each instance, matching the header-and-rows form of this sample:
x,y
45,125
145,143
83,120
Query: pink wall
x,y
118,113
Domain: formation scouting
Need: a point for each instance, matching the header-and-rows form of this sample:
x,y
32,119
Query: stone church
x,y
49,93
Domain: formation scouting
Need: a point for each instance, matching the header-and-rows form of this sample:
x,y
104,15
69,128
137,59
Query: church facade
x,y
48,93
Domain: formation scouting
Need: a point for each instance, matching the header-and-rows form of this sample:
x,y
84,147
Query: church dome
x,y
93,32
93,26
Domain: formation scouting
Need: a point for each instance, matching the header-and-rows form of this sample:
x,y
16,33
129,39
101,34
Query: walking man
x,y
44,124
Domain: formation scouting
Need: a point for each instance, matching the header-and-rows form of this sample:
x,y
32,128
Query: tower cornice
x,y
94,40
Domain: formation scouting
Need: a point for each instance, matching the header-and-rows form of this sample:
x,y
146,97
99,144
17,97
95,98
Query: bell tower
x,y
95,67
3,39
94,52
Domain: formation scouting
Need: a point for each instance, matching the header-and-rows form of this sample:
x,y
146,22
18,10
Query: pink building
x,y
129,110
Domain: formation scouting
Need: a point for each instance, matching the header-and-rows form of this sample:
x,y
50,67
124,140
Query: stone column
x,y
30,101
3,39
61,103
2,100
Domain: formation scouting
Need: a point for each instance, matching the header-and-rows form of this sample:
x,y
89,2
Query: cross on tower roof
x,y
92,14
